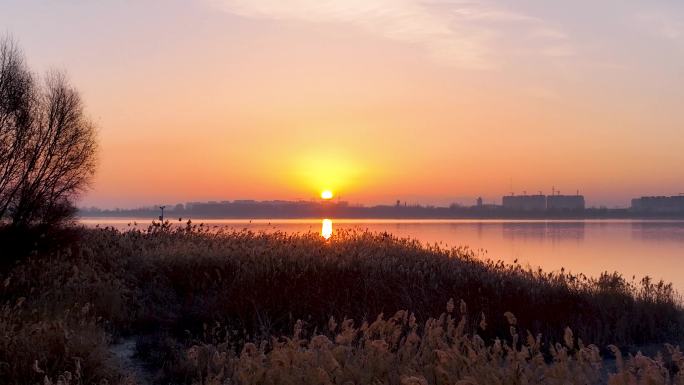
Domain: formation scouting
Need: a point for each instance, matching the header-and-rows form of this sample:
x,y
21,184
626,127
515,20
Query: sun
x,y
326,195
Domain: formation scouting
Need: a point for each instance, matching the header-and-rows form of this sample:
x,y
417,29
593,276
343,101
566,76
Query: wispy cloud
x,y
459,33
661,24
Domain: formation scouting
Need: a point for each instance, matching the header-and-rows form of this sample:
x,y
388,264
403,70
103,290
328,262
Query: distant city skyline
x,y
623,201
378,100
536,206
462,201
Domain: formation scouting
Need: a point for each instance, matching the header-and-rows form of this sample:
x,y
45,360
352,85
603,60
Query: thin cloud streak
x,y
661,24
456,33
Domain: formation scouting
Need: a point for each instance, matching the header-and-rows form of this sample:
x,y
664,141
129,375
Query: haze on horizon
x,y
376,100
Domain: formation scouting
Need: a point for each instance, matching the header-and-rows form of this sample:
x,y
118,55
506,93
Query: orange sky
x,y
377,100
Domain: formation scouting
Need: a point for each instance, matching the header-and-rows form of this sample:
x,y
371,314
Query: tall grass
x,y
398,350
263,283
210,292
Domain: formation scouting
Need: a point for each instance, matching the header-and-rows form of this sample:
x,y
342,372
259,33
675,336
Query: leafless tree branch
x,y
47,144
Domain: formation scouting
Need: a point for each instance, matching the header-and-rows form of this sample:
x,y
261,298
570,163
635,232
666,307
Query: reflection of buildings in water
x,y
566,231
327,228
459,233
554,232
524,231
670,231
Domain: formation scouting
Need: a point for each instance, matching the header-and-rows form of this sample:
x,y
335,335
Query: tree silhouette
x,y
47,144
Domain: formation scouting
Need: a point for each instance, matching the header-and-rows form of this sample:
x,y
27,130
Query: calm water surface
x,y
632,247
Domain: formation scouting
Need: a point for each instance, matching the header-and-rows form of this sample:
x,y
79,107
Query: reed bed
x,y
397,350
210,306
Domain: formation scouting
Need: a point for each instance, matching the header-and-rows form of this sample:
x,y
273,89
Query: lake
x,y
632,247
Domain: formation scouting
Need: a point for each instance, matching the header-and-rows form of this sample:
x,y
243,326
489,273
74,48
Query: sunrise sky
x,y
376,100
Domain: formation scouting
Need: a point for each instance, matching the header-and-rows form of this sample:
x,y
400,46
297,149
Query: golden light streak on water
x,y
327,229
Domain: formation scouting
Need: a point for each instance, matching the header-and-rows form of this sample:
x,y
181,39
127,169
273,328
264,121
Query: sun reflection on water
x,y
327,228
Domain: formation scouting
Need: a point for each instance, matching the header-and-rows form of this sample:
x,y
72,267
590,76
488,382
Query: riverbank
x,y
199,304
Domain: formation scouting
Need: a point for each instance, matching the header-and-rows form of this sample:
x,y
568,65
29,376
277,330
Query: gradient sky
x,y
378,100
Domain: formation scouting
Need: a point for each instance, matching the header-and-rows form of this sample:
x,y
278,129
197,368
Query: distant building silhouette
x,y
565,202
541,202
524,202
659,204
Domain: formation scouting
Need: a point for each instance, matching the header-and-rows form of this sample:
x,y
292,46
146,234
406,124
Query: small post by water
x,y
161,217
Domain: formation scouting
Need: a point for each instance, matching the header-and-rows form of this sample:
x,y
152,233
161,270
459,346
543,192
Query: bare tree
x,y
16,101
47,144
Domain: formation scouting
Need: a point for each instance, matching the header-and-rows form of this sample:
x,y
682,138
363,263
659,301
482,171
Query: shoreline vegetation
x,y
242,307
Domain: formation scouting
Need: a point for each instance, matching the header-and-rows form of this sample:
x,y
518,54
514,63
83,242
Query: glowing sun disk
x,y
327,194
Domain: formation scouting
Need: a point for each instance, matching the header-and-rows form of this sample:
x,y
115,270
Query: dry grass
x,y
399,351
196,298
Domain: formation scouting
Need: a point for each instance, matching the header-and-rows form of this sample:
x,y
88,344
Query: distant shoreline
x,y
525,207
149,215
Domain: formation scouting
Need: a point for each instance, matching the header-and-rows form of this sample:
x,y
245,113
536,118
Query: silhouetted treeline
x,y
312,209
